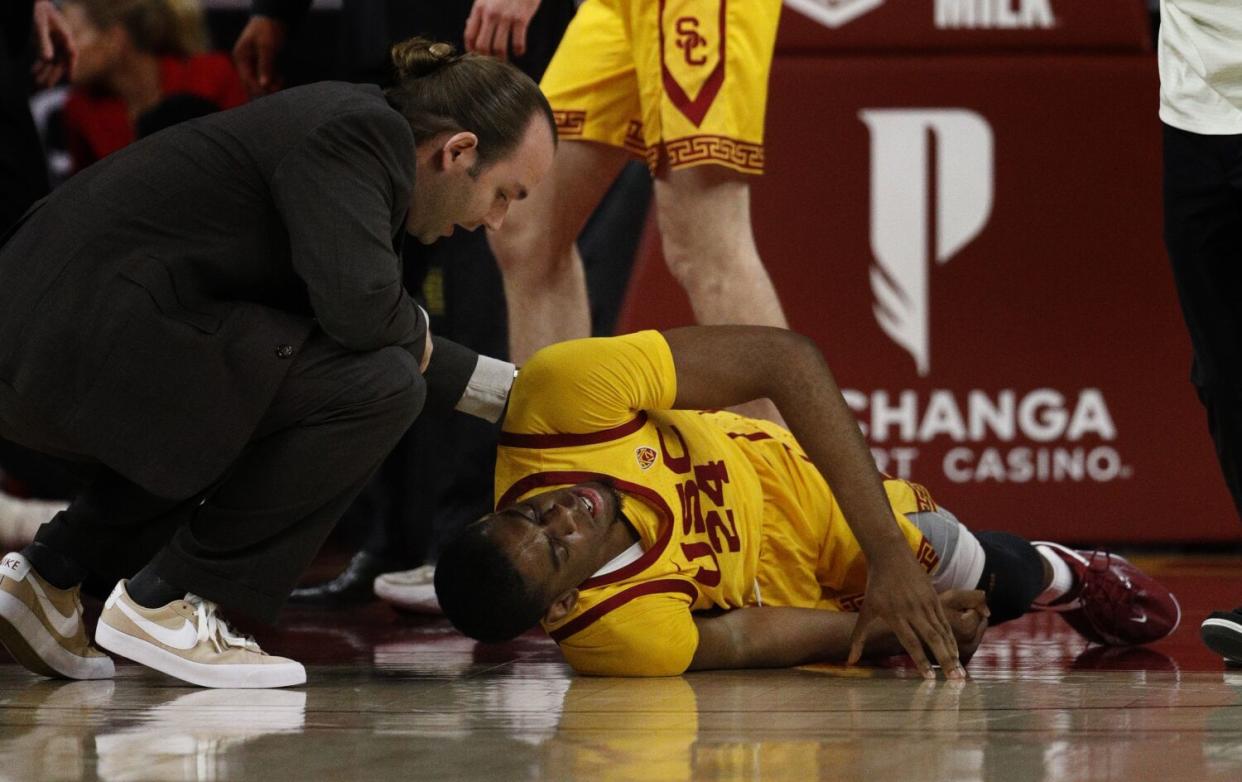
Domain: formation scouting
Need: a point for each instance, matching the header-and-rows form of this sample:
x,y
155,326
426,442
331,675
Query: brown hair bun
x,y
419,57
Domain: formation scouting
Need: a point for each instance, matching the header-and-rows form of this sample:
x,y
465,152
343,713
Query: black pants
x,y
244,542
1203,233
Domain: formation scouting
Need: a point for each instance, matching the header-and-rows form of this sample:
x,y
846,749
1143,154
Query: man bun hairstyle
x,y
480,590
440,91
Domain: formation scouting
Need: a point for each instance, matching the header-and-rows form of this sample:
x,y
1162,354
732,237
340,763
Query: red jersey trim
x,y
649,557
752,436
514,440
596,612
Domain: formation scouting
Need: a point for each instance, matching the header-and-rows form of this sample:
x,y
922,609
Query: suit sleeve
x,y
341,192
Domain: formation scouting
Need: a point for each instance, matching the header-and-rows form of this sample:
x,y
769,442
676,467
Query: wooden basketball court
x,y
401,697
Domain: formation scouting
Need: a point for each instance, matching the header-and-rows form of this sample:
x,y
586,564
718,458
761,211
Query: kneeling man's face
x,y
454,191
557,539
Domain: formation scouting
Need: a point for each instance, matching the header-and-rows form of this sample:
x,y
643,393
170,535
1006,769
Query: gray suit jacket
x,y
151,306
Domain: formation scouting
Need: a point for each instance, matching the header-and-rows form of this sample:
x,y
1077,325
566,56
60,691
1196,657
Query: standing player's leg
x,y
704,215
591,87
545,287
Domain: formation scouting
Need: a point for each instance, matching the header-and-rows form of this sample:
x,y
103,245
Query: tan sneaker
x,y
186,639
42,627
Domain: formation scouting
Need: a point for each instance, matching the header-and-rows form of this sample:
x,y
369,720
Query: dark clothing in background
x,y
23,172
1203,233
370,27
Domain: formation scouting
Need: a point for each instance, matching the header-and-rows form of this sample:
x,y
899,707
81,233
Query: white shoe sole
x,y
39,651
237,676
1224,637
419,599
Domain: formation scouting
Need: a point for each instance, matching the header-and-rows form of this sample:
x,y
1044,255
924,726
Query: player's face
x,y
558,539
456,193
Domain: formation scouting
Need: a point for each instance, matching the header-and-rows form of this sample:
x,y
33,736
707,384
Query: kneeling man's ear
x,y
561,607
460,151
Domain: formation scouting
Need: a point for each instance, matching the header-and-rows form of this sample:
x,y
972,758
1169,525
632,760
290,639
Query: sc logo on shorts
x,y
689,38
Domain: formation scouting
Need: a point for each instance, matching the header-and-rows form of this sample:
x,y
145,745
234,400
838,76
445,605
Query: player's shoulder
x,y
636,629
573,355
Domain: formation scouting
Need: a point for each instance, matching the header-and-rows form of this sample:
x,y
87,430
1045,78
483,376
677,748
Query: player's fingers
x,y
963,599
519,38
473,23
936,631
858,638
47,50
483,40
500,44
69,52
38,72
244,59
909,641
265,60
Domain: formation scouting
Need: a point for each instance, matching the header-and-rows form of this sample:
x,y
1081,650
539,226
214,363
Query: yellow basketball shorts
x,y
817,562
680,83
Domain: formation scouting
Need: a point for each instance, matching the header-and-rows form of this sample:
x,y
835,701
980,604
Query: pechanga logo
x,y
833,13
903,214
1038,435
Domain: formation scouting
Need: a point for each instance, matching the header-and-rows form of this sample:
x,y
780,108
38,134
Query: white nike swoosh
x,y
1140,619
184,637
66,626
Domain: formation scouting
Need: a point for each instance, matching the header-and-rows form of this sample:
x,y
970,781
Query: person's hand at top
x,y
255,54
498,27
55,53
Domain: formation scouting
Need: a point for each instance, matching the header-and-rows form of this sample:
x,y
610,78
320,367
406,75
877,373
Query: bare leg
x,y
710,248
545,288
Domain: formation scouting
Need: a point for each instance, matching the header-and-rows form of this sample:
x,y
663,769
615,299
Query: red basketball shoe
x,y
1114,602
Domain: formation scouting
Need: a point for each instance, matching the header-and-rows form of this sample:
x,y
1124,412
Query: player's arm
x,y
771,637
722,366
261,41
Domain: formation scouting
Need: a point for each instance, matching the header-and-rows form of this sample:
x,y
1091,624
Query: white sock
x,y
1062,577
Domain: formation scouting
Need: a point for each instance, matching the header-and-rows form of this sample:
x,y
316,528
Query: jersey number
x,y
717,523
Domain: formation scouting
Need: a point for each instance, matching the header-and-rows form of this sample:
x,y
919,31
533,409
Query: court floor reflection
x,y
393,697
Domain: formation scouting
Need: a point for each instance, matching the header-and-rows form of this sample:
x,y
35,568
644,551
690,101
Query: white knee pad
x,y
961,556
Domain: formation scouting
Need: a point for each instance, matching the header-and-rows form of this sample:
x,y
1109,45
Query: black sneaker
x,y
1222,632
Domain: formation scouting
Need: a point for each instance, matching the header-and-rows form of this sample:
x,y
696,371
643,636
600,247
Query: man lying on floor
x,y
651,534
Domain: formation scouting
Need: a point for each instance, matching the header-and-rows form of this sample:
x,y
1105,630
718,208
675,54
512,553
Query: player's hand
x,y
55,51
967,612
493,24
899,591
255,53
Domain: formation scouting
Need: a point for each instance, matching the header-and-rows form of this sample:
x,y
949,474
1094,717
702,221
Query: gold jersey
x,y
729,510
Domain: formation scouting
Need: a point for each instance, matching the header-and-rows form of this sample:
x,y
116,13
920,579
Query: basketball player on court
x,y
682,85
651,534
